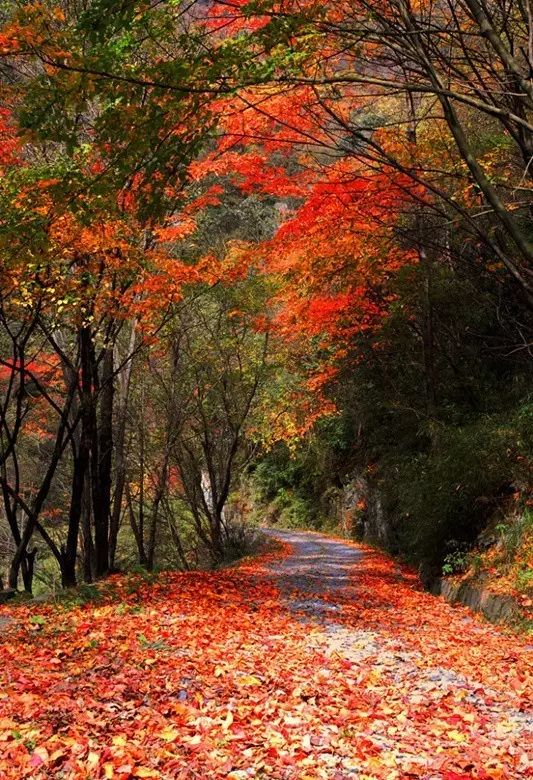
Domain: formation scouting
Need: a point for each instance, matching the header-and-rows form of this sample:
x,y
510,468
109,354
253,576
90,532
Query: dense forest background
x,y
264,262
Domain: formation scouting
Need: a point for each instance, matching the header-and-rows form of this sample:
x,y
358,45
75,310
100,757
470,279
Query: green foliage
x,y
85,593
513,533
152,644
454,562
140,575
524,578
295,484
448,493
440,468
294,511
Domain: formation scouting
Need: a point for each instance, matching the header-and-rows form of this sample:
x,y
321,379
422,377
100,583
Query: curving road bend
x,y
319,579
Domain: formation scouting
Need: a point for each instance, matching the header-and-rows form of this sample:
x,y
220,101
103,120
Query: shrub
x,y
444,497
240,539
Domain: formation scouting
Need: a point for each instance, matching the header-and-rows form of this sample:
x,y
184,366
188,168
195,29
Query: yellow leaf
x,y
249,680
228,721
109,771
456,735
145,771
93,758
169,734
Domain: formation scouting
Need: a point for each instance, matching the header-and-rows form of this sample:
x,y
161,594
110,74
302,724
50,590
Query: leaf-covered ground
x,y
213,675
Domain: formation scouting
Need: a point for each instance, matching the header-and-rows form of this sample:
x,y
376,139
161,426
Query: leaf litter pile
x,y
210,675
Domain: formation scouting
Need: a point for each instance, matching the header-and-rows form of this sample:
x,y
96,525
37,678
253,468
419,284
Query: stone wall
x,y
497,609
363,515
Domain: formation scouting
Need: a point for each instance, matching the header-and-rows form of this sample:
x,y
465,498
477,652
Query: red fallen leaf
x,y
400,686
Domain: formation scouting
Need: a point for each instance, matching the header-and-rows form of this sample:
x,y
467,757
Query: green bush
x,y
441,499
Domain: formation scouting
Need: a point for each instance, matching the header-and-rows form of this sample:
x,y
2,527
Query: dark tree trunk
x,y
101,467
27,566
69,550
10,511
428,335
124,378
35,509
154,519
87,538
217,544
137,528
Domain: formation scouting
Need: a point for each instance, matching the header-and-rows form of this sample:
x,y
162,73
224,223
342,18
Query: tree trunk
x,y
137,529
27,566
216,537
428,338
102,453
124,377
87,539
36,507
154,519
69,550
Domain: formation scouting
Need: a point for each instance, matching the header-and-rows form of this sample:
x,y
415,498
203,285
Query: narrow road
x,y
318,566
444,671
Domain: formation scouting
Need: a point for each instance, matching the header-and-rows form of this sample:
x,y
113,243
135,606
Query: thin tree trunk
x,y
101,466
69,550
87,539
135,527
34,511
154,519
81,467
124,379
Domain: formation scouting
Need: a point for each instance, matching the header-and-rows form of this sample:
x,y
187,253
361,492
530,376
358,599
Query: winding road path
x,y
326,582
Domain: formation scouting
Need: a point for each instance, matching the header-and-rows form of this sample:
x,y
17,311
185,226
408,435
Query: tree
x,y
209,372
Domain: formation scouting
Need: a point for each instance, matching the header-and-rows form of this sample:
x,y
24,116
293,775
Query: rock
x,y
429,575
497,609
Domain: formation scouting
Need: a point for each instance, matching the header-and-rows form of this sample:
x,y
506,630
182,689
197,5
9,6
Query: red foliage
x,y
46,369
9,142
334,250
